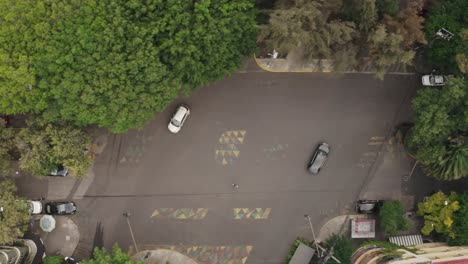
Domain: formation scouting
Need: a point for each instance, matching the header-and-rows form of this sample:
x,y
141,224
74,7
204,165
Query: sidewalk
x,y
162,256
62,240
294,63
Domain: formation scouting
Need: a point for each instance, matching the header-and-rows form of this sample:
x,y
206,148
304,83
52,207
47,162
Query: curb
x,y
267,69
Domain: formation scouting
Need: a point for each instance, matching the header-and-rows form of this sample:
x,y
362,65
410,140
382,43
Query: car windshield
x,y
61,208
437,79
318,160
175,122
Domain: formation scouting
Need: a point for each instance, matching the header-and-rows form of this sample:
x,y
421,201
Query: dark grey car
x,y
319,158
59,171
60,208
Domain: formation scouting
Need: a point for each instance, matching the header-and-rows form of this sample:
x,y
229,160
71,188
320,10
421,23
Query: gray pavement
x,y
255,129
284,117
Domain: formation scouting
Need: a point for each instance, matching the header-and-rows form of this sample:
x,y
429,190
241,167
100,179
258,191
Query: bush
x,y
343,249
392,218
388,7
53,260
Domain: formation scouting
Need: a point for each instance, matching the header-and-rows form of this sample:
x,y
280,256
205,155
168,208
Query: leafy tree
x,y
343,249
453,164
388,7
367,14
451,15
15,215
441,119
308,26
408,24
116,256
460,225
438,212
43,146
386,49
116,63
53,260
462,54
7,136
392,217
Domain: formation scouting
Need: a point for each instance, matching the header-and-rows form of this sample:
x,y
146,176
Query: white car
x,y
178,119
36,207
434,80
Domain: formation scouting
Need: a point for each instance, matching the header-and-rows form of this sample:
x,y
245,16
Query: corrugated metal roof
x,y
411,240
302,255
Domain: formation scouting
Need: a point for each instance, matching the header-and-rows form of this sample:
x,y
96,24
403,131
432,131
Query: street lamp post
x,y
127,216
313,234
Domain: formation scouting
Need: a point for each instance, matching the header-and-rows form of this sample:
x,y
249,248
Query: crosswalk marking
x,y
251,213
180,213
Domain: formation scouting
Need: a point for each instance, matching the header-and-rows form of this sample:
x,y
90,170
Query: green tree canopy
x,y
43,146
387,49
438,139
409,24
451,15
116,63
312,28
15,216
462,53
116,256
438,212
460,223
343,249
392,217
388,7
7,136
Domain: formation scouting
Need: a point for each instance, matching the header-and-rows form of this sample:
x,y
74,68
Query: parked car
x,y
178,119
36,207
368,206
59,171
319,158
70,260
434,80
60,208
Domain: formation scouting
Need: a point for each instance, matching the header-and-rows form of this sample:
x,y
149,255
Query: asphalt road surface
x,y
257,130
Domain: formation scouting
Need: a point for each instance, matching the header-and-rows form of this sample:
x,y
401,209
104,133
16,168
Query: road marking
x,y
227,151
180,213
134,152
377,138
372,143
206,254
251,213
276,151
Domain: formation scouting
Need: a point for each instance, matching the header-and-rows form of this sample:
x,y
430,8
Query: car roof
x,y
181,112
319,160
36,207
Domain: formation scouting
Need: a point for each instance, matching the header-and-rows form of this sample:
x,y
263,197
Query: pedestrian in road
x,y
235,186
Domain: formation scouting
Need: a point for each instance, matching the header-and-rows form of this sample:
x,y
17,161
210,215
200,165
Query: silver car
x,y
319,158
